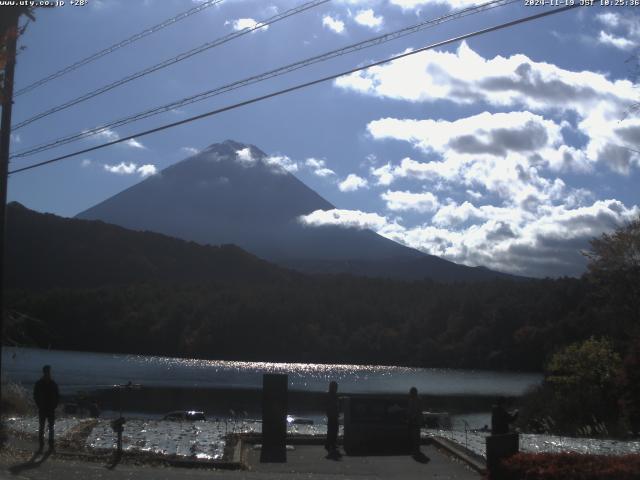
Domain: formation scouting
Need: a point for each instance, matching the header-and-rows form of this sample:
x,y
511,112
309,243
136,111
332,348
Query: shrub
x,y
580,394
630,386
569,466
16,400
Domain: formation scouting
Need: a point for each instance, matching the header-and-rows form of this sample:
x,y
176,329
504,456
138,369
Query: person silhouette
x,y
333,409
414,419
45,395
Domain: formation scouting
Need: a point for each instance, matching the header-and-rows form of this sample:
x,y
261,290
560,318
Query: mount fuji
x,y
230,193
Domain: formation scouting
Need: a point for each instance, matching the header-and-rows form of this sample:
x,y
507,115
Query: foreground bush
x,y
16,400
580,394
570,466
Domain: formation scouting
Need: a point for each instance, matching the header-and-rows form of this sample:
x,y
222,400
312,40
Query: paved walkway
x,y
304,462
309,461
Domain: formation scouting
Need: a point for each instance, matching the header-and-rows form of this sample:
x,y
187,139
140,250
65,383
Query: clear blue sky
x,y
510,150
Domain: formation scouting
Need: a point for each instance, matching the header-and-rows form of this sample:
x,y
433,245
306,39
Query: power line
x,y
302,85
171,61
123,43
378,40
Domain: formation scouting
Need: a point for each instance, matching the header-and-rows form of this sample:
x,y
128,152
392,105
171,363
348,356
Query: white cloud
x,y
281,163
617,42
475,195
484,133
85,162
133,143
509,178
323,172
464,77
508,239
244,23
190,150
368,18
147,170
361,3
454,214
130,168
385,174
276,163
617,145
15,138
403,200
314,163
108,135
121,168
345,218
512,212
245,157
627,27
319,167
513,240
540,225
609,19
333,24
504,154
352,183
416,4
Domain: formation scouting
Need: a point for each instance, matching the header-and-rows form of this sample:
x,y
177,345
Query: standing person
x,y
333,409
414,417
45,394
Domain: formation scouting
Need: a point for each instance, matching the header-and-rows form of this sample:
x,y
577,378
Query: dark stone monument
x,y
500,447
274,418
375,425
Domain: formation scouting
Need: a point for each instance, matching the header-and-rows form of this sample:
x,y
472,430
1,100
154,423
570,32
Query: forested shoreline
x,y
86,285
332,319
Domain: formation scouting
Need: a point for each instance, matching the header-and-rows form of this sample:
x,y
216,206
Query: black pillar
x,y
274,418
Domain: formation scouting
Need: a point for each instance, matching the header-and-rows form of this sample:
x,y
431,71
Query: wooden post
x,y
5,141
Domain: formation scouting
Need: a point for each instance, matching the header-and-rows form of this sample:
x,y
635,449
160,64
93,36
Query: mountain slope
x,y
228,193
211,198
47,251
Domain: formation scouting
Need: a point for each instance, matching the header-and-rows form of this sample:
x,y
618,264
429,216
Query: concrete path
x,y
302,463
308,461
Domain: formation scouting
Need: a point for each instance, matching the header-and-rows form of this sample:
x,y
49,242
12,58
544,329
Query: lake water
x,y
76,371
206,440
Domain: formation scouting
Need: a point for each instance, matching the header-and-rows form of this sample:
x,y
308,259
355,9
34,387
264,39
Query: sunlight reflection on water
x,y
544,443
199,439
206,439
78,370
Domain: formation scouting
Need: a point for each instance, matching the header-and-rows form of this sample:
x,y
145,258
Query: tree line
x,y
65,294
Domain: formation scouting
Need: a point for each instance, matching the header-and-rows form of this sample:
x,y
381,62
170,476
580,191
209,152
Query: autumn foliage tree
x,y
591,385
614,270
584,376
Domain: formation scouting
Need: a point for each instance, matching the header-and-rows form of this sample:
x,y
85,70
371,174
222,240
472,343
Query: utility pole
x,y
11,36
